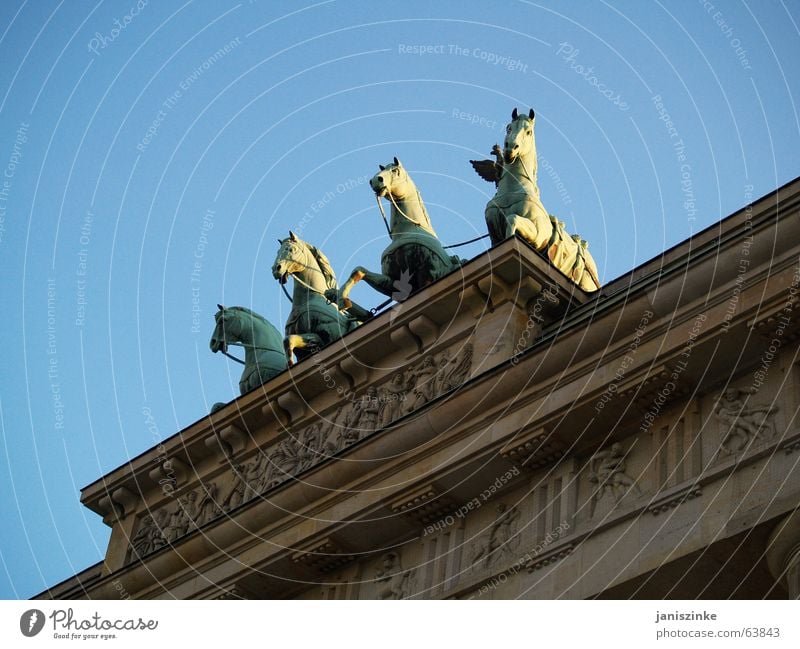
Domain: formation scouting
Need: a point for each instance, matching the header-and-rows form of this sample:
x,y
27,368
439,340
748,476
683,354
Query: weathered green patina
x,y
313,321
517,209
262,343
415,257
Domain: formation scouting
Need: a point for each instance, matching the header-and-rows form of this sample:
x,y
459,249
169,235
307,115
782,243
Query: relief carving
x,y
607,470
394,396
150,538
187,513
379,406
369,411
743,423
181,519
237,490
209,507
500,539
394,582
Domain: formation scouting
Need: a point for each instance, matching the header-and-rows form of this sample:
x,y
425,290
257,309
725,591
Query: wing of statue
x,y
486,169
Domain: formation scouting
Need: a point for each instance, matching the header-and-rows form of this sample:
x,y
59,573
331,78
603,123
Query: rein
x,y
309,287
524,170
406,216
233,358
253,347
397,207
302,283
383,214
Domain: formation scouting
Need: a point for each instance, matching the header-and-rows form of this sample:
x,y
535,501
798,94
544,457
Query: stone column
x,y
783,554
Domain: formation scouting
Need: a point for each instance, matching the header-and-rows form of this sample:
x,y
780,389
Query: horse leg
x,y
385,285
526,228
497,224
381,283
299,341
358,312
340,296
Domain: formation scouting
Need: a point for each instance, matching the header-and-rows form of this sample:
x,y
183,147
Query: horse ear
x,y
397,162
220,307
292,236
381,167
514,114
531,114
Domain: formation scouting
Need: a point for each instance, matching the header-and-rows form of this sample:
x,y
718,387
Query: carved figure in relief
x,y
252,477
607,470
742,422
339,431
462,364
395,397
370,408
145,539
238,488
177,524
150,535
309,443
191,509
209,508
501,537
284,461
410,382
395,583
443,370
424,382
161,520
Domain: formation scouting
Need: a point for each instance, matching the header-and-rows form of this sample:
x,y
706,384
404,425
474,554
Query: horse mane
x,y
427,225
244,309
322,261
324,265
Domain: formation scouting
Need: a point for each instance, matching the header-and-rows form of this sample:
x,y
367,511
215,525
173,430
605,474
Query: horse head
x,y
519,136
306,262
227,330
392,180
292,257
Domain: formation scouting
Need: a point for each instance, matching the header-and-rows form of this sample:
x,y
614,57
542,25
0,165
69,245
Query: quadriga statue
x,y
517,209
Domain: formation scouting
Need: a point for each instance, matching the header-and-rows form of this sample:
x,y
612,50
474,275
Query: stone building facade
x,y
501,434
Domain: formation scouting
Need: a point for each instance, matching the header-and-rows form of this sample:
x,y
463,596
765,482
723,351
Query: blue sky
x,y
139,139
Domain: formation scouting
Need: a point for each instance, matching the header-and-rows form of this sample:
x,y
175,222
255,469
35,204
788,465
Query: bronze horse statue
x,y
415,257
313,321
517,209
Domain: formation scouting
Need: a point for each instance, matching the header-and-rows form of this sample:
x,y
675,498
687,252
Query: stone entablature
x,y
647,463
563,513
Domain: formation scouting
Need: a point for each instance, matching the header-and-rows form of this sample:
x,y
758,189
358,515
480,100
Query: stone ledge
x,y
674,497
534,449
